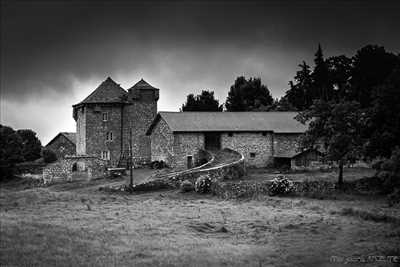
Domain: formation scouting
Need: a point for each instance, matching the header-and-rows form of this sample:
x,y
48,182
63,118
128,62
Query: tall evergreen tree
x,y
300,95
322,87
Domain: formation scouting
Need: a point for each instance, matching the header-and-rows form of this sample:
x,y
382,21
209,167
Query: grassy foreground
x,y
76,225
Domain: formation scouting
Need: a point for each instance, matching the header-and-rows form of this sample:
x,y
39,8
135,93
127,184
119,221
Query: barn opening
x,y
189,162
212,141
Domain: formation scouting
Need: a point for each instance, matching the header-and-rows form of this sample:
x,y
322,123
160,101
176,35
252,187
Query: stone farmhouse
x,y
63,144
110,117
263,138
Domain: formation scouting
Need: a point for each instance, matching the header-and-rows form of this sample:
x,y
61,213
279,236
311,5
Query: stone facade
x,y
63,170
187,147
97,130
286,144
137,116
110,116
162,143
256,147
61,146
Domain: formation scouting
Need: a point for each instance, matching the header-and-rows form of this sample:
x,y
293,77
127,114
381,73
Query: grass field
x,y
74,224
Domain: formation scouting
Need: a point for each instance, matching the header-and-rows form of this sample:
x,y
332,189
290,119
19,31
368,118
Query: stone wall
x,y
186,145
162,141
62,147
286,143
256,147
80,131
62,170
96,130
230,171
138,117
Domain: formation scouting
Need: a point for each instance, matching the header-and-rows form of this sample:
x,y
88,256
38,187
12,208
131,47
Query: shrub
x,y
186,186
203,184
48,156
280,186
389,171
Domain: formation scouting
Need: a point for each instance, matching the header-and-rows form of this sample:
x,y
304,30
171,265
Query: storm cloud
x,y
53,54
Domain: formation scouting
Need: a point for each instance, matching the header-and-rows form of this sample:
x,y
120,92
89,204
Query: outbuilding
x,y
177,138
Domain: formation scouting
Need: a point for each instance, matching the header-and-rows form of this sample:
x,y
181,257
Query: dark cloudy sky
x,y
53,54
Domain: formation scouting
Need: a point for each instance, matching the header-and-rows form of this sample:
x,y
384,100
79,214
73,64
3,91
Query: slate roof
x,y
107,92
279,122
70,137
142,85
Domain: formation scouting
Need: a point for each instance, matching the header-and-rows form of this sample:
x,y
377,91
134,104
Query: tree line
x,y
351,104
18,146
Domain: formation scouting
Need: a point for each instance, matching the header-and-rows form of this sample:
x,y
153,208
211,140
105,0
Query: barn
x,y
63,144
263,138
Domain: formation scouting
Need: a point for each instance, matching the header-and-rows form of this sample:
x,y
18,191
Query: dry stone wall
x,y
62,170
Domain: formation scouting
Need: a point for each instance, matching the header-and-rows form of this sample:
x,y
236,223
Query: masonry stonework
x,y
162,143
97,130
62,147
256,147
187,145
286,143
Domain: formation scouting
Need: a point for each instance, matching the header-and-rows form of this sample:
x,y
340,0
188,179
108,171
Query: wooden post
x,y
130,158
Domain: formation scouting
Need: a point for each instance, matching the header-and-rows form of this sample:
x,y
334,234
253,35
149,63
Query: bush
x,y
280,186
389,171
203,184
186,186
48,156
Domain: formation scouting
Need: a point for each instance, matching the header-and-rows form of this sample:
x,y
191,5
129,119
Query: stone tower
x,y
137,117
106,117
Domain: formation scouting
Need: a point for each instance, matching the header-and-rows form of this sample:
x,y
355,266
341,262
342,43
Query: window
x,y
105,155
230,134
109,136
252,155
264,133
105,116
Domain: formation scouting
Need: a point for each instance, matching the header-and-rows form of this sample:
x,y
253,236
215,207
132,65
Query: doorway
x,y
189,163
212,141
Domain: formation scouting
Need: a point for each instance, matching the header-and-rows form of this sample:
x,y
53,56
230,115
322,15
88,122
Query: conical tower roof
x,y
107,92
142,84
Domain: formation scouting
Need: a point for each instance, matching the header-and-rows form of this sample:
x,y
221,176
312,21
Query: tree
x,y
31,144
203,102
300,95
383,129
322,87
340,68
337,126
371,66
10,151
248,95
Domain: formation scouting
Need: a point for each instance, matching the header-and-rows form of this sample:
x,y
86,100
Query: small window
x,y
109,136
230,134
264,133
252,155
105,155
105,116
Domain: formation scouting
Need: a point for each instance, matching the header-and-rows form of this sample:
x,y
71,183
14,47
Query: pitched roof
x,y
280,122
141,85
70,137
107,92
